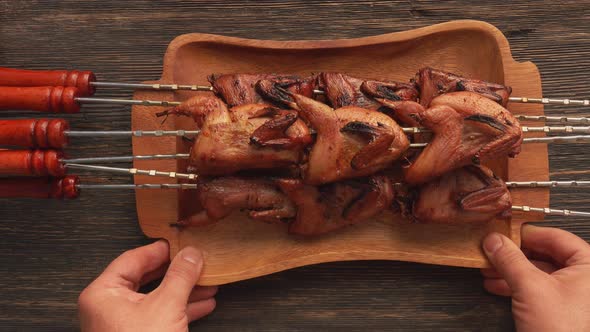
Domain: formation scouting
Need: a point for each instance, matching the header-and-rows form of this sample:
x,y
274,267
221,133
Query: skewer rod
x,y
557,139
86,100
548,211
164,103
547,184
135,133
584,102
513,184
155,86
126,158
527,184
556,129
562,119
193,87
133,171
183,186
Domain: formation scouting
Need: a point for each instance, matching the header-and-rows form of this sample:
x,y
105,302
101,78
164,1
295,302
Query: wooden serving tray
x,y
238,248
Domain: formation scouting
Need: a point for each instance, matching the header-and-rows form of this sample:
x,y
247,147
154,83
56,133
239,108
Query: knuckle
x,y
86,299
128,255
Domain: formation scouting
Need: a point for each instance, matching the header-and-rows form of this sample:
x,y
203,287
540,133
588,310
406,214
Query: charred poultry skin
x,y
432,83
351,142
221,196
333,206
343,90
240,89
251,136
466,195
466,127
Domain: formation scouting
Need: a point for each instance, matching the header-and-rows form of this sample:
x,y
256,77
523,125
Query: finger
x,y
200,309
564,247
546,267
154,275
202,293
182,275
490,273
128,269
509,261
497,286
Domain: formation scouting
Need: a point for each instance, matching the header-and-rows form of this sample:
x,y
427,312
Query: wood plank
x,y
54,249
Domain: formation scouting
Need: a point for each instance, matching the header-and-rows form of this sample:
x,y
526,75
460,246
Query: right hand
x,y
551,291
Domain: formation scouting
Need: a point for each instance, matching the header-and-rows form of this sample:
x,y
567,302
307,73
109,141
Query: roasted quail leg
x,y
343,90
332,206
432,83
466,195
240,89
221,196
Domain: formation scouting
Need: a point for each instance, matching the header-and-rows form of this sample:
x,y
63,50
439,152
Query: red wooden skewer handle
x,y
32,163
74,78
52,99
34,133
44,187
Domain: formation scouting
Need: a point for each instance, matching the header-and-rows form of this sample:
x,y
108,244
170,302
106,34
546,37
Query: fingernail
x,y
191,255
492,243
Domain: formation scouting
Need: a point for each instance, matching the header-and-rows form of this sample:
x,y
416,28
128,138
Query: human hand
x,y
112,303
551,291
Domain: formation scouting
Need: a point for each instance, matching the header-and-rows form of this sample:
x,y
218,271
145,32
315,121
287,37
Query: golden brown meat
x,y
273,89
404,112
351,142
240,89
251,136
221,196
466,127
394,91
432,83
466,195
332,206
343,90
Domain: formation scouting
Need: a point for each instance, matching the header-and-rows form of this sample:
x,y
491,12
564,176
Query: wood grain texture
x,y
236,248
52,249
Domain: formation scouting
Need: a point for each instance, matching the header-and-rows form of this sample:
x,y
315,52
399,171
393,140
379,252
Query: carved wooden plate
x,y
238,248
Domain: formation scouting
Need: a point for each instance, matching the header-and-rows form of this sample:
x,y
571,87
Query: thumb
x,y
509,261
182,275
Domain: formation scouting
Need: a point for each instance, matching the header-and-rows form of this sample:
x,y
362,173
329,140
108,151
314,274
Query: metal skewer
x,y
135,171
134,133
584,102
132,171
547,184
125,158
553,139
181,186
552,212
193,87
155,86
561,119
177,103
410,130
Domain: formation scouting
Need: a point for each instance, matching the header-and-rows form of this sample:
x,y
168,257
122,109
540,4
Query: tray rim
x,y
400,36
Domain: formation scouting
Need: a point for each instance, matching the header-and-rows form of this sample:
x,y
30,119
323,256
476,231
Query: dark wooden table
x,y
50,250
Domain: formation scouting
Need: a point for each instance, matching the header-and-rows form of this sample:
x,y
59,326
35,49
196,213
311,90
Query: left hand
x,y
112,302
